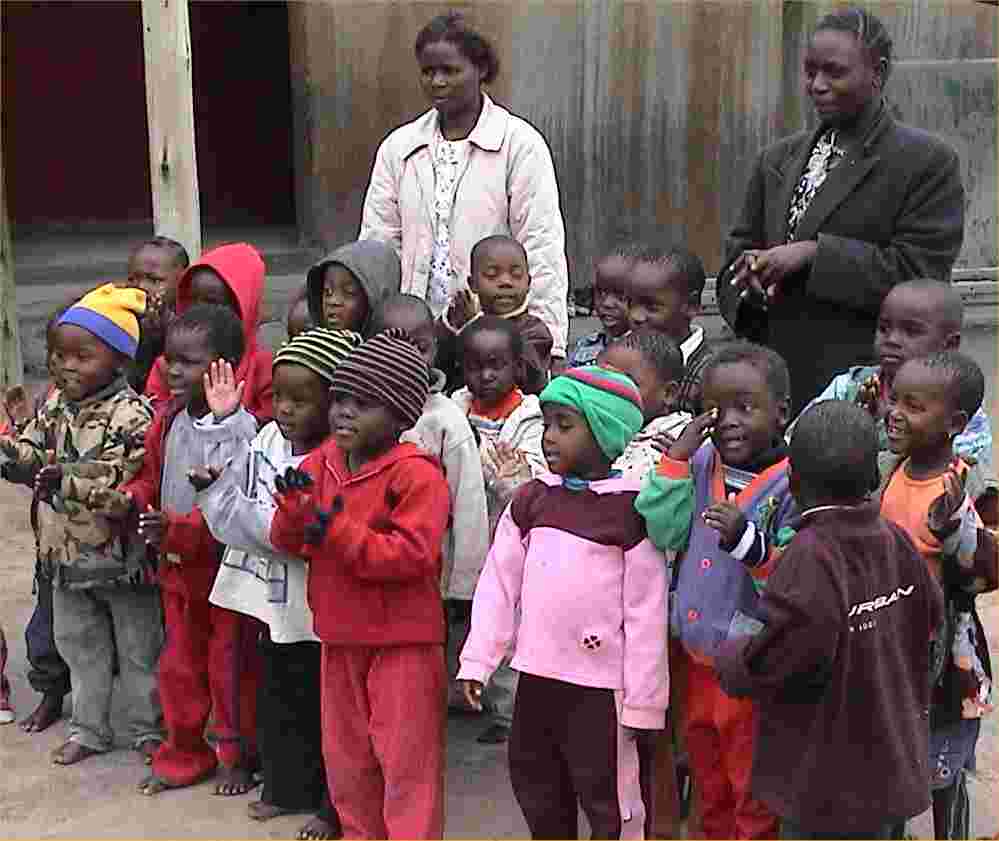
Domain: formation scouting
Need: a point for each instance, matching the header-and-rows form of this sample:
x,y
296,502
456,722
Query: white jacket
x,y
254,579
443,432
508,187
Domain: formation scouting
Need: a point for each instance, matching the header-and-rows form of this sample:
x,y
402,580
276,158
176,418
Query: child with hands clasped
x,y
571,556
720,498
254,579
85,439
369,515
208,664
930,401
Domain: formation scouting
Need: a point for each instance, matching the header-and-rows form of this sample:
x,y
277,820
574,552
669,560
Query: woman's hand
x,y
222,393
761,273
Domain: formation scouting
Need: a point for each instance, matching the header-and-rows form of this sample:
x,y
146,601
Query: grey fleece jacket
x,y
376,267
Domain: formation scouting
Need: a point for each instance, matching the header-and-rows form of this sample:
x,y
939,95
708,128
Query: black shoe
x,y
495,734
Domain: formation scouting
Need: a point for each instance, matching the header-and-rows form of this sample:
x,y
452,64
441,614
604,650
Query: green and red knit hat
x,y
609,400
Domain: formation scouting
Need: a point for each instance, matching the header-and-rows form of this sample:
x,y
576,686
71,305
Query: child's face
x,y
155,271
490,367
51,358
207,287
658,302
921,420
419,329
569,445
85,363
362,428
500,279
610,294
301,406
908,327
750,418
299,319
657,396
345,303
187,355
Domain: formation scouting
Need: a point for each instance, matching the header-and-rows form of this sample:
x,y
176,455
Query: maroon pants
x,y
383,738
209,665
565,752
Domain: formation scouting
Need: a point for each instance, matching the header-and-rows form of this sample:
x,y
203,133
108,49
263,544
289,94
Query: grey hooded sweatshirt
x,y
374,264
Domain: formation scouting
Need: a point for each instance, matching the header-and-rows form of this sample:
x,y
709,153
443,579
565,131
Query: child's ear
x,y
783,411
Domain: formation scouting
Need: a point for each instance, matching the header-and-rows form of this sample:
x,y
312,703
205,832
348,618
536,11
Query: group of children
x,y
296,562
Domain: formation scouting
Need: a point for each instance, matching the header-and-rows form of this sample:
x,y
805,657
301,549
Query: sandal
x,y
70,752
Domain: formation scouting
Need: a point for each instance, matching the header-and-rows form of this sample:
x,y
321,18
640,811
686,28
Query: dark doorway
x,y
76,146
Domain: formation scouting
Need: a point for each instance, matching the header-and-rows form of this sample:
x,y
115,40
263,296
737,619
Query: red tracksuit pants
x,y
209,666
383,715
720,733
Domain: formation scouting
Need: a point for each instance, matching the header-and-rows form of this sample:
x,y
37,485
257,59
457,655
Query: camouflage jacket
x,y
100,442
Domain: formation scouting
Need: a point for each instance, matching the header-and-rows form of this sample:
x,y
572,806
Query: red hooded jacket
x,y
374,576
187,535
242,269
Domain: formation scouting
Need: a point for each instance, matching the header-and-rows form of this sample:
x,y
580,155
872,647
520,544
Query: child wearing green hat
x,y
571,553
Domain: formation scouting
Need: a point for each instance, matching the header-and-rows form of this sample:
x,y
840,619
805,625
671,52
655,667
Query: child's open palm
x,y
941,519
222,393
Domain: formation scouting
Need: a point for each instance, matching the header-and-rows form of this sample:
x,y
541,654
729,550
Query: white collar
x,y
692,342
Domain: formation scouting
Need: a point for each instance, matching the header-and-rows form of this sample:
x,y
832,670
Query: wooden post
x,y
11,364
173,165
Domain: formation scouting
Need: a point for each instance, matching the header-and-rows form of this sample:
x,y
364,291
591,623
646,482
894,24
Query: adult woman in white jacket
x,y
464,170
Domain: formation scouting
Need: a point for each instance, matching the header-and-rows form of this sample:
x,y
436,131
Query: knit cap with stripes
x,y
320,350
387,369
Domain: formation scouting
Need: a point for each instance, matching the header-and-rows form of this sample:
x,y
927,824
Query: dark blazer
x,y
891,210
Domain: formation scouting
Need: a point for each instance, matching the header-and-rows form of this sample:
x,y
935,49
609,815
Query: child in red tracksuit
x,y
369,514
207,665
231,276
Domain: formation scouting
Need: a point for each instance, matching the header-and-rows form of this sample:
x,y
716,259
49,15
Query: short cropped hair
x,y
484,244
220,324
686,265
867,29
834,450
945,299
494,324
963,379
657,349
400,302
180,256
768,362
476,47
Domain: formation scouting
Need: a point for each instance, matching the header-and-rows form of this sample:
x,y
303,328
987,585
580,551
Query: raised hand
x,y
694,434
462,309
509,461
727,519
940,519
203,477
222,393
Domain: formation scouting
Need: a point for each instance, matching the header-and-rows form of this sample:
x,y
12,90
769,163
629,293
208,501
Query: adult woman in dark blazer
x,y
836,216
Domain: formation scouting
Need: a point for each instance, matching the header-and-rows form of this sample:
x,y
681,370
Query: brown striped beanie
x,y
387,369
318,349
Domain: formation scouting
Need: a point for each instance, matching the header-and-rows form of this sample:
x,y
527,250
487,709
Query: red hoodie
x,y
242,269
374,576
187,535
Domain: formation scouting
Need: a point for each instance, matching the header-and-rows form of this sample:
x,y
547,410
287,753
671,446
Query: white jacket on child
x,y
443,431
254,579
641,455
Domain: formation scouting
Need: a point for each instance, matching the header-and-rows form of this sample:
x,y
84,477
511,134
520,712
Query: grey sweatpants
x,y
83,633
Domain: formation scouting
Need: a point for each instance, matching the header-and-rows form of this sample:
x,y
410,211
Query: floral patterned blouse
x,y
825,155
449,159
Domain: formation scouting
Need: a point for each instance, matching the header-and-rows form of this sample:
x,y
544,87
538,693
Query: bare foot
x,y
319,830
154,785
235,781
260,811
70,752
47,713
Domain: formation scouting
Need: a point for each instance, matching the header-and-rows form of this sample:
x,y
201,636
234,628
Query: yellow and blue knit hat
x,y
111,314
609,400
